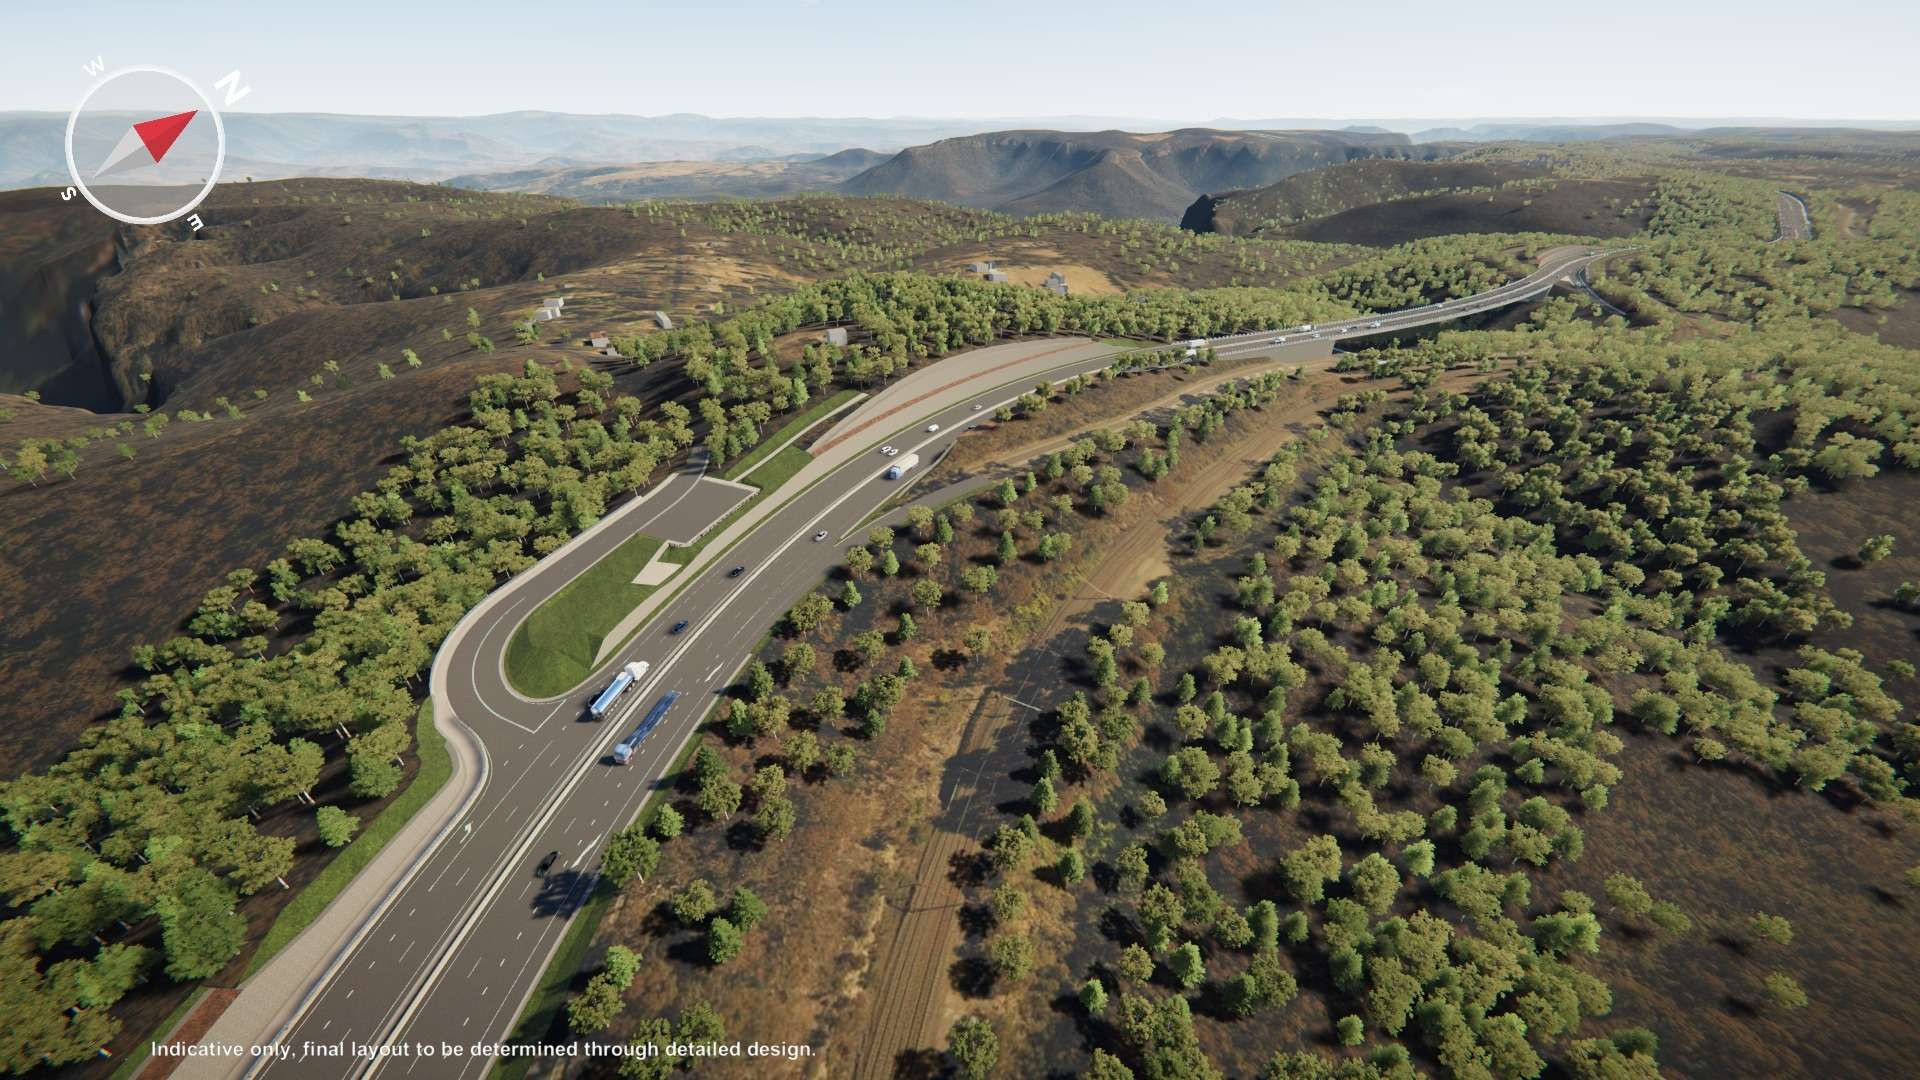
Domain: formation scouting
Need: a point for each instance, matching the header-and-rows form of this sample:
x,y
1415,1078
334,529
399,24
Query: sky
x,y
1169,61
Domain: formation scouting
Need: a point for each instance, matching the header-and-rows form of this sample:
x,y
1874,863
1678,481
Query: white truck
x,y
629,675
899,468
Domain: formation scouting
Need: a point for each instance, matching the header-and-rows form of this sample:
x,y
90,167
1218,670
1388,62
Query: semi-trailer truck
x,y
629,675
624,750
899,468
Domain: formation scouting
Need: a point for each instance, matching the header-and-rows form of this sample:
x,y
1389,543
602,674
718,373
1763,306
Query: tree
x,y
372,778
1774,928
978,640
1135,963
1011,956
724,941
1187,966
850,595
1007,902
974,1047
1044,799
1350,1030
926,594
1093,997
694,902
1875,548
336,825
1783,991
719,796
1072,866
630,854
979,580
668,823
700,1025
198,927
859,560
595,1007
1309,868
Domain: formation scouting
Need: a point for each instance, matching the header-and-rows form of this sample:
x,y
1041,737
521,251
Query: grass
x,y
554,648
792,429
435,767
556,983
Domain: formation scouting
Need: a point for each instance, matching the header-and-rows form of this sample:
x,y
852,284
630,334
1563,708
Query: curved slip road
x,y
453,953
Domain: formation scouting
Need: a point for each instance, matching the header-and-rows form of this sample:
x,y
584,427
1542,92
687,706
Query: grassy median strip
x,y
435,767
553,650
788,431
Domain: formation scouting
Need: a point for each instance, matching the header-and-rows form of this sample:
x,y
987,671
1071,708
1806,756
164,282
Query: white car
x,y
887,451
976,408
819,536
1316,333
933,427
1278,341
892,451
1374,325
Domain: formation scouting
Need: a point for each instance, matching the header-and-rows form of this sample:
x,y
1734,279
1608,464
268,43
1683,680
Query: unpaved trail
x,y
911,984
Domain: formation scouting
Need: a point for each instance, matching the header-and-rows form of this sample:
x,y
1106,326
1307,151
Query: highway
x,y
454,951
1791,212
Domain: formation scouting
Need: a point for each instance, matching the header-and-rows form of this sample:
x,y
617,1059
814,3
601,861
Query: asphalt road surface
x,y
455,954
1792,213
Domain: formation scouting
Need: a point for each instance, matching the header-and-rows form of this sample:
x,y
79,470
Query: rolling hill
x,y
681,179
1114,173
1382,202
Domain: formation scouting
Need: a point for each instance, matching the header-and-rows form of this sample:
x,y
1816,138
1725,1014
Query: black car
x,y
546,864
736,571
677,627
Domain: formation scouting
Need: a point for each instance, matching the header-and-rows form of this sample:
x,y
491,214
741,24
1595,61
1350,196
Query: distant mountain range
x,y
1116,173
586,155
433,148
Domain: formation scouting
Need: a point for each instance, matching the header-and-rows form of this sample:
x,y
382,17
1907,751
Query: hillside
x,y
227,391
1382,203
1114,173
680,179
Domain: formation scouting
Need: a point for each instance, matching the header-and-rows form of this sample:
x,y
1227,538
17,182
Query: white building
x,y
837,336
995,275
598,340
661,320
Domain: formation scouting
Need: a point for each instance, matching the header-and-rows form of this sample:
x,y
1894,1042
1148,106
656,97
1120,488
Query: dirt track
x,y
911,984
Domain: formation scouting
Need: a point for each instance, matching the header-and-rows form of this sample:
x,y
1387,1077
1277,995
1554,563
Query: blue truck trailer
x,y
624,750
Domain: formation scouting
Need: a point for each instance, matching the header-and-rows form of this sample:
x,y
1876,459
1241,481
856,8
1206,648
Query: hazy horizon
x,y
996,59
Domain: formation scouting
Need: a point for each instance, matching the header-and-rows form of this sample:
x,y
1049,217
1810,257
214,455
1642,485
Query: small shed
x,y
554,302
598,339
545,313
837,335
995,275
661,320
